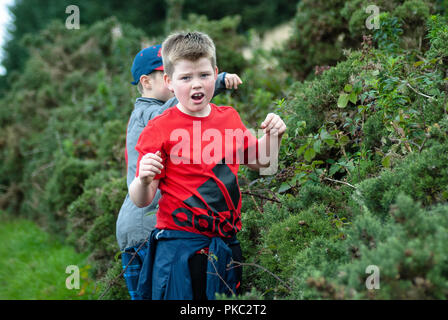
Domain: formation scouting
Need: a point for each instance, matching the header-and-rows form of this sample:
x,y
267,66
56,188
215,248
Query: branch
x,y
343,182
400,131
260,196
419,93
216,271
423,144
239,264
122,272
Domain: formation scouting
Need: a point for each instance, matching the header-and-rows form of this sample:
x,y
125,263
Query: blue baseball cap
x,y
146,61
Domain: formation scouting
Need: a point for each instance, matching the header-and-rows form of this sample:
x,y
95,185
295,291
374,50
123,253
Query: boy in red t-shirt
x,y
192,151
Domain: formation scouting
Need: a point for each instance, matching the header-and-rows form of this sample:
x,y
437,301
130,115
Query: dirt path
x,y
270,40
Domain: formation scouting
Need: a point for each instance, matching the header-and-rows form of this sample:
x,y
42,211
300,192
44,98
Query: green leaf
x,y
353,97
117,255
343,140
284,187
343,100
348,88
418,63
386,162
310,154
324,135
301,149
330,142
316,145
334,168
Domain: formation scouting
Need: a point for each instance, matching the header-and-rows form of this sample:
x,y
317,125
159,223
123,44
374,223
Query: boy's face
x,y
193,83
159,89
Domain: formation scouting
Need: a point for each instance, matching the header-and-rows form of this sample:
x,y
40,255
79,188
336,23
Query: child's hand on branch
x,y
150,166
232,81
273,125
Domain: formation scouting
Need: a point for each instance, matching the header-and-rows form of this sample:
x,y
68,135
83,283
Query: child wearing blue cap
x,y
135,224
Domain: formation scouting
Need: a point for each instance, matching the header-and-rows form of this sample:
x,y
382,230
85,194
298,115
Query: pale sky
x,y
4,20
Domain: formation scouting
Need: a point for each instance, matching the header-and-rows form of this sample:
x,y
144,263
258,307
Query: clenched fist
x,y
150,166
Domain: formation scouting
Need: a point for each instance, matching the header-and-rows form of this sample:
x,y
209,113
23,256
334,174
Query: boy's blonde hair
x,y
187,45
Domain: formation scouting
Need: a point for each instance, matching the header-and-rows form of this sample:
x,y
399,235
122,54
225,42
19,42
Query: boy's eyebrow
x,y
185,74
196,71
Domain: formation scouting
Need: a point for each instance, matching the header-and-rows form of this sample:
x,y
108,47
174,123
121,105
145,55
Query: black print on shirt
x,y
215,204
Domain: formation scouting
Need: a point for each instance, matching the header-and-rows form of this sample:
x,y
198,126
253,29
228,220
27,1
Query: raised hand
x,y
232,81
273,125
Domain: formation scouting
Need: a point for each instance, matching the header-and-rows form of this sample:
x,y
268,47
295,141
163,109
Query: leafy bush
x,y
424,177
324,29
408,249
92,218
372,128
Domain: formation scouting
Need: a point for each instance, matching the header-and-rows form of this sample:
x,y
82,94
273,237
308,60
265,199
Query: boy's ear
x,y
216,72
146,82
167,80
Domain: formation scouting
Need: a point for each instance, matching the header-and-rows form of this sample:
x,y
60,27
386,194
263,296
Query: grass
x,y
33,265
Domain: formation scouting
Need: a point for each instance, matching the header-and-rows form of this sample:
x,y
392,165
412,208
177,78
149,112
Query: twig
x,y
400,131
343,182
273,195
420,147
423,144
255,202
419,93
240,264
217,273
404,141
122,272
260,196
42,168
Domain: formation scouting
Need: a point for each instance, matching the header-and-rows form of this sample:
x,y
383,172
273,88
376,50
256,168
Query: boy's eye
x,y
205,75
185,78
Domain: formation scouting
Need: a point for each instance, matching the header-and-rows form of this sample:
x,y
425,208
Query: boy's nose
x,y
196,83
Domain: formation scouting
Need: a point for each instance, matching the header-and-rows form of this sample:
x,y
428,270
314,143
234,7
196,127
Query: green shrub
x,y
408,249
112,286
424,177
92,219
323,30
63,187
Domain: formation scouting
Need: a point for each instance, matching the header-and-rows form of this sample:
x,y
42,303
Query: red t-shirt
x,y
201,157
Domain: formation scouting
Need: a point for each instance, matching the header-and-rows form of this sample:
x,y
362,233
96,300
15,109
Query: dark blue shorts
x,y
132,273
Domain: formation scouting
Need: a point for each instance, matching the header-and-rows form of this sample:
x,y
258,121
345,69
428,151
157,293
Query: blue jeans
x,y
132,273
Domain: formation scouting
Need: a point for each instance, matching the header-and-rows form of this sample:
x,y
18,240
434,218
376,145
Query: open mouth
x,y
197,97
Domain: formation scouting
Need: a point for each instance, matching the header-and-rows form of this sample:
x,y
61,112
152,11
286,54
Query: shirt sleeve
x,y
250,141
220,84
150,141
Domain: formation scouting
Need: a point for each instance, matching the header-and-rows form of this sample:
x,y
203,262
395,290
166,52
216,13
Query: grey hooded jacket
x,y
135,224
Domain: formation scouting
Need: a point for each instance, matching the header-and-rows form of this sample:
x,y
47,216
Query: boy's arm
x,y
268,145
142,194
226,81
